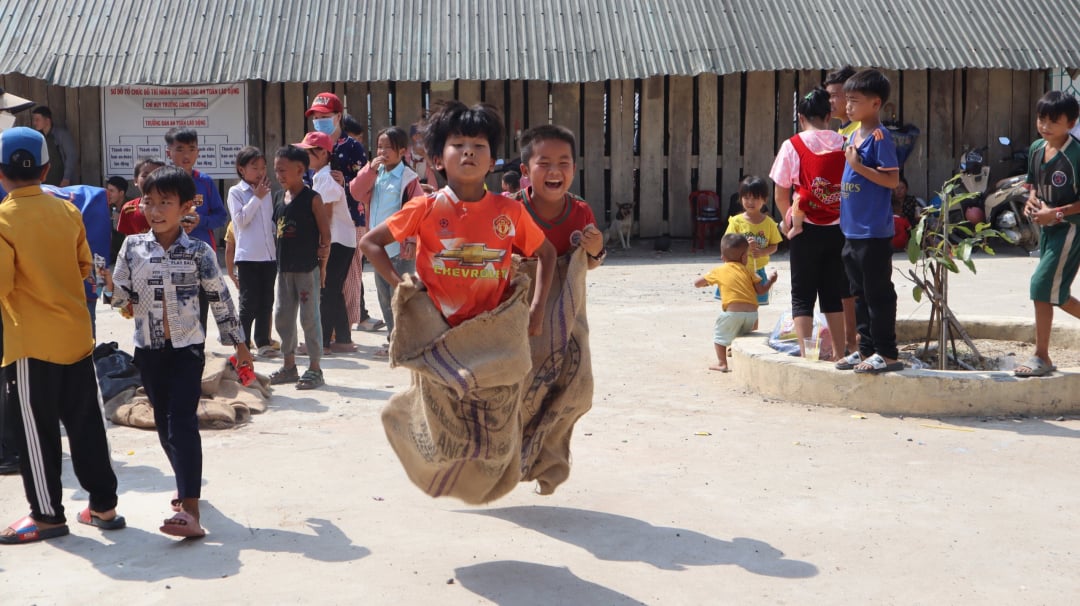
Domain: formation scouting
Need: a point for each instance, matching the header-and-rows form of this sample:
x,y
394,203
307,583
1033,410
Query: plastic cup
x,y
812,349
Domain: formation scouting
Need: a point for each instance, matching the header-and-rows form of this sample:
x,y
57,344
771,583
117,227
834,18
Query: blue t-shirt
x,y
866,207
212,213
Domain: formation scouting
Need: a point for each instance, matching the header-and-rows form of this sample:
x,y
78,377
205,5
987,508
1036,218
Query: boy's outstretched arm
x,y
371,245
700,282
763,286
545,271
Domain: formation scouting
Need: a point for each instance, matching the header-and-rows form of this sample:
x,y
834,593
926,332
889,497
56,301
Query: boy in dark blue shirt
x,y
866,218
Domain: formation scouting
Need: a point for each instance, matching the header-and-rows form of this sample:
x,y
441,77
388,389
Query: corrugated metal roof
x,y
109,42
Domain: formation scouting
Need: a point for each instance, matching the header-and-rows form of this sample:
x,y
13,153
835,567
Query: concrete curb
x,y
915,392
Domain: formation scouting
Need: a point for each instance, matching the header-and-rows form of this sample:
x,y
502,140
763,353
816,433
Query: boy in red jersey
x,y
547,159
465,234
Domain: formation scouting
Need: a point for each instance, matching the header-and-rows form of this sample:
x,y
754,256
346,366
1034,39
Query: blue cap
x,y
22,146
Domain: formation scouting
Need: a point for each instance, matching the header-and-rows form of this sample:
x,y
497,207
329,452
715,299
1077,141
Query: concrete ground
x,y
684,490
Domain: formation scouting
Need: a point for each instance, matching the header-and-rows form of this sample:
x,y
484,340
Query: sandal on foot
x,y
1035,367
184,525
310,380
90,519
382,353
284,375
849,361
27,531
876,364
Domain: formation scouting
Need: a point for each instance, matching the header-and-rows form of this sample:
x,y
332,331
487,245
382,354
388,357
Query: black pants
x,y
41,395
173,382
817,270
869,268
9,438
256,299
335,316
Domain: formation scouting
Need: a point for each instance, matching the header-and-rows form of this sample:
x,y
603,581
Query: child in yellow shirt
x,y
759,229
739,290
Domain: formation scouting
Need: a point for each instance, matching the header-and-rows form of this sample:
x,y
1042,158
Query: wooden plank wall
x,y
740,121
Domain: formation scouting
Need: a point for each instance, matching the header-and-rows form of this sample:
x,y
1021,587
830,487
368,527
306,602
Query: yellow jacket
x,y
44,259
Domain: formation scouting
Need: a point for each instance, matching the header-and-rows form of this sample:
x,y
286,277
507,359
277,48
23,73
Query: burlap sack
x,y
476,419
456,428
559,388
225,402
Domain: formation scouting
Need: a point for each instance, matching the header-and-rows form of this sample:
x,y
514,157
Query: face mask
x,y
324,125
6,121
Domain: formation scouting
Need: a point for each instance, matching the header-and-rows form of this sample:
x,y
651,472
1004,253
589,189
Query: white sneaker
x,y
267,351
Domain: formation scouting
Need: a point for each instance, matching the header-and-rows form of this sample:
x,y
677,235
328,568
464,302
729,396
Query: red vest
x,y
819,183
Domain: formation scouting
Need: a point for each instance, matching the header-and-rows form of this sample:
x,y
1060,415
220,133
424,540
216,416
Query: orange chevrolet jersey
x,y
463,249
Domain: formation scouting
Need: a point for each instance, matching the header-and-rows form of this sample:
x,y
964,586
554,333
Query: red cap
x,y
326,103
316,139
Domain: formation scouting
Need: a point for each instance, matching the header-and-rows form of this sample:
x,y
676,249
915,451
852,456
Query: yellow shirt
x,y
44,259
736,283
230,236
849,128
766,233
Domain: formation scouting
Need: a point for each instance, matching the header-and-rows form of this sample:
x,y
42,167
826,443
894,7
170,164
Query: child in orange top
x,y
465,234
547,159
132,221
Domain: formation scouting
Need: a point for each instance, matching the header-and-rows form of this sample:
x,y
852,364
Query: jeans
x,y
386,294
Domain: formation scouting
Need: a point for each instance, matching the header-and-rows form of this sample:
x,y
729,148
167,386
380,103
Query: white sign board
x,y
136,118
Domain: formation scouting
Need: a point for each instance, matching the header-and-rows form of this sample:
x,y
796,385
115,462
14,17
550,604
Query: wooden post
x,y
90,152
538,102
731,137
998,119
653,160
408,104
759,140
494,92
380,106
273,121
786,123
1023,109
975,109
293,110
566,112
939,132
356,103
256,119
468,91
591,146
708,130
915,111
621,117
680,137
515,115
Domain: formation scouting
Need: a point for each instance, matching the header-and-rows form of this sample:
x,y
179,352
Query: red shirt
x,y
575,217
132,221
819,183
463,249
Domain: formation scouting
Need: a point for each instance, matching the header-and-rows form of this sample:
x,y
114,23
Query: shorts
x,y
1059,258
731,324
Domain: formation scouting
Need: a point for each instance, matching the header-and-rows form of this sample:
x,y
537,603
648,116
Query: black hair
x,y
732,245
118,182
903,180
513,179
182,134
545,132
869,82
351,126
143,162
23,171
815,104
1055,104
293,153
838,76
455,118
171,180
41,110
397,135
246,156
753,187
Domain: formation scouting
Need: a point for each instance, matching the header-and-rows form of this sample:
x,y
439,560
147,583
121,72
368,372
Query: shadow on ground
x,y
216,556
514,583
619,538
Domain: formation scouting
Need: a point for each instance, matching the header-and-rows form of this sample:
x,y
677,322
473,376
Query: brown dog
x,y
621,225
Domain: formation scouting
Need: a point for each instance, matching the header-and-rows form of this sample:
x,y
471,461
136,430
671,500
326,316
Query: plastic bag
x,y
783,337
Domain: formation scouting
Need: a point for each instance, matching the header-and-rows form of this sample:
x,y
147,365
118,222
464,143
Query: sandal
x,y
27,531
382,353
183,525
849,361
310,380
90,519
876,364
1035,368
284,375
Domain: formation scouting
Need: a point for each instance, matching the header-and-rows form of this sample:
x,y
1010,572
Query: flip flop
x,y
878,365
1036,368
27,531
849,361
183,525
87,517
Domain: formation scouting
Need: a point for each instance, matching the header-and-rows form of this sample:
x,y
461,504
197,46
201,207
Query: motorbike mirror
x,y
1004,140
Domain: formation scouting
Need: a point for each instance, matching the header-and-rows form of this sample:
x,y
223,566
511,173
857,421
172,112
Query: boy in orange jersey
x,y
465,234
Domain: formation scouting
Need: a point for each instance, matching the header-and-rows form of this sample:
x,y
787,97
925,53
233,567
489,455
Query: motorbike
x,y
1002,205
